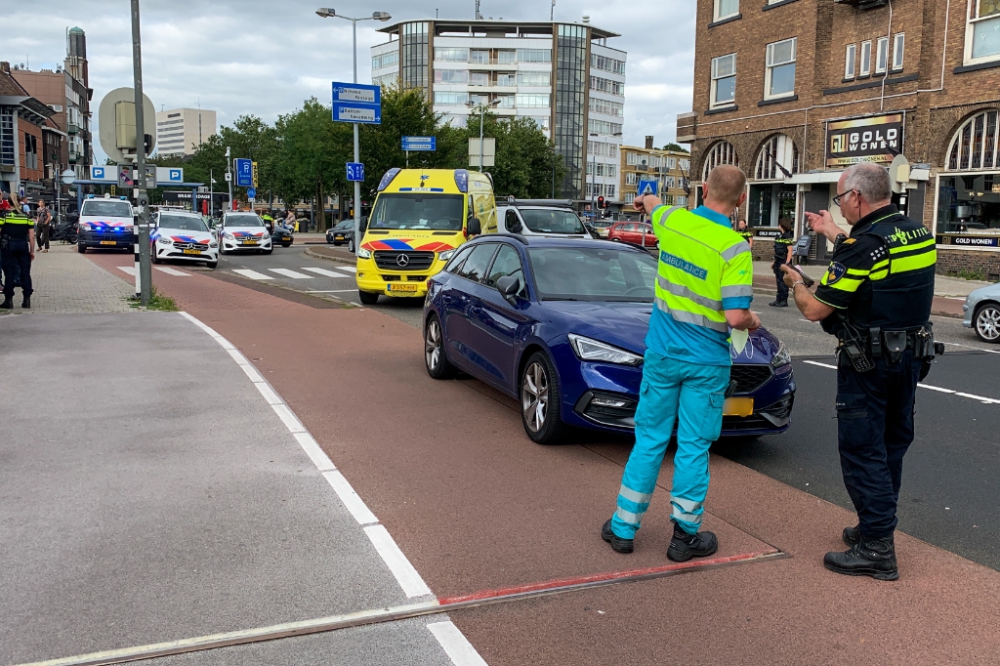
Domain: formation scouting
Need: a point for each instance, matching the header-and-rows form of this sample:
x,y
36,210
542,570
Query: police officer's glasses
x,y
837,199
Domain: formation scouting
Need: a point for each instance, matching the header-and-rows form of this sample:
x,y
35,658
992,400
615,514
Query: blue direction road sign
x,y
357,93
355,172
646,187
416,144
357,103
252,192
244,172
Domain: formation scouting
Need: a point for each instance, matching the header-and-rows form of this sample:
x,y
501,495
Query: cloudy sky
x,y
265,57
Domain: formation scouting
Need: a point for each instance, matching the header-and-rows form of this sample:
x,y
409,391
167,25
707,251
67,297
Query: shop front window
x,y
969,204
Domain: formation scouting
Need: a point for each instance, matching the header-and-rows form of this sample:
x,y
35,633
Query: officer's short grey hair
x,y
871,180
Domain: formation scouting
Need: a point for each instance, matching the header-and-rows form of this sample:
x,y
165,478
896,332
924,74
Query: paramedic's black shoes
x,y
618,544
684,546
868,557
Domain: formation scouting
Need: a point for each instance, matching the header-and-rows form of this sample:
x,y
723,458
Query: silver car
x,y
982,313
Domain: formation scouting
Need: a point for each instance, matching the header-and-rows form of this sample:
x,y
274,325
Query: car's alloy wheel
x,y
540,400
437,363
987,322
350,245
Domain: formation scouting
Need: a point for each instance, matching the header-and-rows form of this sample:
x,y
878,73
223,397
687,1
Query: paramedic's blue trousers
x,y
690,396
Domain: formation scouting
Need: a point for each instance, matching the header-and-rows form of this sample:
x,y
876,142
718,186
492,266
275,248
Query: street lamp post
x,y
376,16
593,178
482,120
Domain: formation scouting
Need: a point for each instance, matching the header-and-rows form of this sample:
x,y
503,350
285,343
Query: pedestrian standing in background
x,y
744,231
43,225
782,255
17,243
704,286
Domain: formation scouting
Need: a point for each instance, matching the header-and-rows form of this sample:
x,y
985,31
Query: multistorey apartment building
x,y
564,76
793,91
181,131
670,169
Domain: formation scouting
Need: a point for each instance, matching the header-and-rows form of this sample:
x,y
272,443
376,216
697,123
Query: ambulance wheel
x,y
540,400
367,298
437,363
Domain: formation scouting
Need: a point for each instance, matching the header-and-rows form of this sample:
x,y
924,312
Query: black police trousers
x,y
875,428
16,265
782,287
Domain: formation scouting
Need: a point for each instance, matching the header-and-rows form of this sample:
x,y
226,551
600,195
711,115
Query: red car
x,y
638,233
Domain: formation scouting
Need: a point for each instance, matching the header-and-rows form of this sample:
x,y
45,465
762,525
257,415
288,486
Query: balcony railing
x,y
73,128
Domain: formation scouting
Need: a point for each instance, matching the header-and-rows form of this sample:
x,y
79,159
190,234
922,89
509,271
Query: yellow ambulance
x,y
420,217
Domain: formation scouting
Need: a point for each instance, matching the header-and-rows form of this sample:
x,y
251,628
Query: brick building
x,y
795,90
669,168
22,117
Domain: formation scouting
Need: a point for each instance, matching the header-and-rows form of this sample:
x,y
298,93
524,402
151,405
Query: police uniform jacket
x,y
781,245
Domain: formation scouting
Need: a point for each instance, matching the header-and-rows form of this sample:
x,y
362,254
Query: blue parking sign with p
x,y
244,172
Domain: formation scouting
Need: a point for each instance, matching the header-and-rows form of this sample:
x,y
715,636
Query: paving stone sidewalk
x,y
65,281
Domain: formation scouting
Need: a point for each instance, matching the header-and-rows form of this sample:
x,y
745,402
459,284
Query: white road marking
x,y
986,351
127,269
351,499
288,418
287,272
411,582
172,271
253,275
268,393
349,269
329,291
327,273
938,389
311,447
456,646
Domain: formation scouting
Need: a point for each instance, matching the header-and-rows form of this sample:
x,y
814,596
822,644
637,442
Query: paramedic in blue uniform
x,y
704,287
876,298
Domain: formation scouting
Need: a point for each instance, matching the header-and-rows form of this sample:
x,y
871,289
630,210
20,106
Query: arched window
x,y
779,152
974,146
720,153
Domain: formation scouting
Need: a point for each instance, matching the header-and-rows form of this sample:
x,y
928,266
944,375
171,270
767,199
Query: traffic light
x,y
600,202
147,140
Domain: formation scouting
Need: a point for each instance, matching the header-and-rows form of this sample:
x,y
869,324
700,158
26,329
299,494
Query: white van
x,y
540,219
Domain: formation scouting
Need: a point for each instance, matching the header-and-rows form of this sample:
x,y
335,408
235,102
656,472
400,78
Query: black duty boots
x,y
778,304
8,303
619,545
26,303
852,535
867,557
684,546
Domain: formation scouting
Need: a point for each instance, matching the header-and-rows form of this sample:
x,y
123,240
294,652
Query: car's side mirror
x,y
474,227
512,222
508,286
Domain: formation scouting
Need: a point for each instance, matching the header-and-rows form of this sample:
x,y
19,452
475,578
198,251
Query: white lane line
x,y
172,271
329,291
411,582
351,499
456,646
349,269
130,270
288,418
311,447
268,393
330,274
938,389
253,275
986,351
287,272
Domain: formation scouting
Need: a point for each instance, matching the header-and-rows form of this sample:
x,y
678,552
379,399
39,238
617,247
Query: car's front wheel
x,y
350,245
155,258
987,322
540,406
437,363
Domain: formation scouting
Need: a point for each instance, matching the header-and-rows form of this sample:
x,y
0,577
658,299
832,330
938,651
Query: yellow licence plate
x,y
738,407
402,287
109,243
249,242
192,251
338,238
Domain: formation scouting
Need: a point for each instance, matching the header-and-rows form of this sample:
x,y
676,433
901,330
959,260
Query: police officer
x,y
782,255
17,244
704,287
876,298
744,232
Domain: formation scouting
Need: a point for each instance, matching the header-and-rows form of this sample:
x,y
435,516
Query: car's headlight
x,y
592,350
86,227
364,254
165,241
228,236
445,256
781,357
213,244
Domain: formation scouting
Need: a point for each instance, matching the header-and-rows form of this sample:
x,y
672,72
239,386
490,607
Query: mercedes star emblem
x,y
402,260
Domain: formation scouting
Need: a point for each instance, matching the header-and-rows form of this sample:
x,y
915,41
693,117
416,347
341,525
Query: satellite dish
x,y
68,177
114,134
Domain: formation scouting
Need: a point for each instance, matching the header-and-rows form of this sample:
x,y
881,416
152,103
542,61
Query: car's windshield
x,y
107,208
418,211
244,221
182,222
583,274
552,221
346,225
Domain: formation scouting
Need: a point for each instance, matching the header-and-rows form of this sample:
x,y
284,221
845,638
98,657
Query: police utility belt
x,y
863,348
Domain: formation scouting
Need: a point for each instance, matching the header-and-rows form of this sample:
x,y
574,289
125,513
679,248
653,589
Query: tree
x,y
676,147
526,161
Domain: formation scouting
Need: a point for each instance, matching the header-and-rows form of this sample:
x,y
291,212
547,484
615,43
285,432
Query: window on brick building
x,y
850,61
898,42
982,35
724,80
30,151
882,55
866,59
722,152
780,79
726,8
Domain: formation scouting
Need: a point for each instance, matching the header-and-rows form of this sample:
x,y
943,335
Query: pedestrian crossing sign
x,y
646,187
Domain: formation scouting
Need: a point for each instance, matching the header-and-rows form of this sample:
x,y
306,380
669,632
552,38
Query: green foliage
x,y
157,301
676,147
525,159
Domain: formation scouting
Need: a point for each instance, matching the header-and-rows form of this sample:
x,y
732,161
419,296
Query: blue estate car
x,y
560,326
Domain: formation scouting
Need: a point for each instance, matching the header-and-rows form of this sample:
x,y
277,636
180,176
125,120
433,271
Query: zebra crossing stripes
x,y
253,275
289,273
327,273
130,270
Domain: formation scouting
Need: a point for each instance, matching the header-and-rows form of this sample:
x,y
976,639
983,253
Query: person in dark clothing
x,y
782,256
43,220
17,244
744,231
